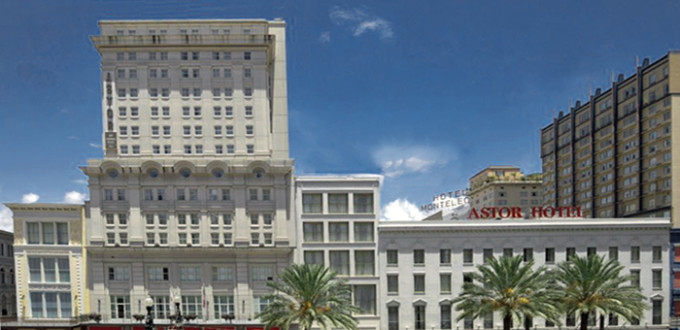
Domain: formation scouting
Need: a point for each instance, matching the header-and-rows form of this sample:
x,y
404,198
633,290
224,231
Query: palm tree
x,y
591,284
509,287
307,295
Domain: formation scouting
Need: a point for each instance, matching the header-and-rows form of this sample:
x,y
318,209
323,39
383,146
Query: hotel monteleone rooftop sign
x,y
447,200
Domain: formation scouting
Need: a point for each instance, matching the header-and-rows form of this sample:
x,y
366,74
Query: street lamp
x,y
148,302
178,313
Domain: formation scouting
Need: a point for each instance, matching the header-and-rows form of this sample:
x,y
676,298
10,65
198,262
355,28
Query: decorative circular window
x,y
218,173
258,172
185,172
112,173
153,173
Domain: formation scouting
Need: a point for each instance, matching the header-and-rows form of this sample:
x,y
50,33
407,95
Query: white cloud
x,y
6,222
94,145
401,210
325,37
74,197
80,181
30,198
361,22
395,161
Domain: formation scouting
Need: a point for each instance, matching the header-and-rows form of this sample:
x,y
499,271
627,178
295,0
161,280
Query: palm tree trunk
x,y
584,321
507,320
602,321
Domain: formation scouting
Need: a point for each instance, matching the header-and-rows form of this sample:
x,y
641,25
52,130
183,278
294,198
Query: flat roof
x,y
540,224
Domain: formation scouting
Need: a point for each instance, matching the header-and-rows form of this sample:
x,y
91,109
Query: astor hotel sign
x,y
514,212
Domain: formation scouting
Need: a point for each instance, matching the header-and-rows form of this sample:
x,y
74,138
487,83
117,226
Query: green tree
x,y
309,295
591,285
510,287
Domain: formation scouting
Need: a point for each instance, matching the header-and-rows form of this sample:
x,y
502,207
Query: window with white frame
x,y
190,274
223,273
49,270
338,231
192,305
337,203
157,273
262,273
50,305
363,203
313,231
363,231
47,233
364,262
339,261
119,273
224,305
365,298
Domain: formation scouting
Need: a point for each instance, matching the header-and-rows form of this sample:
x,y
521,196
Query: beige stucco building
x,y
50,263
505,186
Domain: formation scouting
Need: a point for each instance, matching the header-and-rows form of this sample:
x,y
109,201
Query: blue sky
x,y
425,92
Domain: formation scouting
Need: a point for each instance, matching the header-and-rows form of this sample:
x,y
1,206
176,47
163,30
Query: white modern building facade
x,y
337,218
424,264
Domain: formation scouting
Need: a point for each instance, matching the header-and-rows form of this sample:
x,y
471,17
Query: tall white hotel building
x,y
195,202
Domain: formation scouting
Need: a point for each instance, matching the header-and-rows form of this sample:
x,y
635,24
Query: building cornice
x,y
539,225
45,207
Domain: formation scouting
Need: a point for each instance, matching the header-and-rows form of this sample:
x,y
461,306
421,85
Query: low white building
x,y
423,264
337,218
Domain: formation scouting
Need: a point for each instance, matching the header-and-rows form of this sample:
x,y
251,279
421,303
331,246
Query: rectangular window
x,y
190,274
392,318
635,254
445,283
656,279
363,232
157,273
314,257
468,256
313,231
364,298
338,231
445,256
657,307
224,305
119,273
311,203
363,203
528,254
392,284
571,252
337,203
223,273
364,262
445,316
419,284
339,261
635,277
613,253
192,305
549,255
392,257
419,257
656,254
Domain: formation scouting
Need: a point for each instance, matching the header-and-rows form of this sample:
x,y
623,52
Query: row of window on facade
x,y
189,194
220,273
184,92
195,72
188,149
487,321
193,220
418,255
186,131
338,261
313,203
155,111
185,31
338,231
185,56
117,238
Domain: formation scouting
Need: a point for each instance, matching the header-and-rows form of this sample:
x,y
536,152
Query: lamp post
x,y
148,302
178,312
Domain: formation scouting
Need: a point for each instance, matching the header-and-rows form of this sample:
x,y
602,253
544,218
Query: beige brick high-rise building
x,y
612,154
